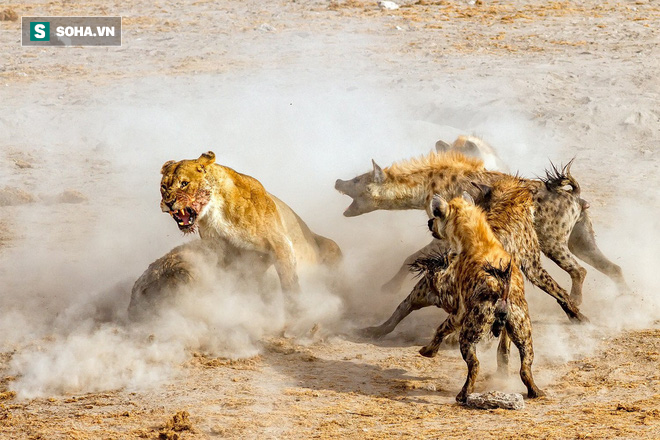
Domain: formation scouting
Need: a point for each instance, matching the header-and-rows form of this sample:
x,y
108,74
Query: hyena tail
x,y
503,276
430,264
556,178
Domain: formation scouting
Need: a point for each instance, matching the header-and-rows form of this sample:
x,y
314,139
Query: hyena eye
x,y
184,184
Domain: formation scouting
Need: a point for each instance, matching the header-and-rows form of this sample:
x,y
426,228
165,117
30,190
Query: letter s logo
x,y
39,31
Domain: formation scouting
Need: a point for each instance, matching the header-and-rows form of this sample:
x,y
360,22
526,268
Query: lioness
x,y
235,211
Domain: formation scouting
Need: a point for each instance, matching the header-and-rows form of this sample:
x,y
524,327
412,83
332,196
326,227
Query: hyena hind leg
x,y
561,255
582,242
538,276
421,296
395,283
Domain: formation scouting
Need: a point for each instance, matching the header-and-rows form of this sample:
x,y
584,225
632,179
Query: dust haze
x,y
68,271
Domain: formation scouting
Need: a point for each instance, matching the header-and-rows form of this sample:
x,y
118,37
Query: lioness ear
x,y
205,160
165,165
378,173
468,198
442,146
439,206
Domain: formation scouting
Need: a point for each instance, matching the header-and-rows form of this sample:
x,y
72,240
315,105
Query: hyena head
x,y
362,189
443,217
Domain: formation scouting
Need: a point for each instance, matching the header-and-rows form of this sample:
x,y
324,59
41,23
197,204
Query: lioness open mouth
x,y
185,219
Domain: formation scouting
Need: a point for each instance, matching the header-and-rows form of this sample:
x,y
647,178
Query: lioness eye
x,y
184,184
163,187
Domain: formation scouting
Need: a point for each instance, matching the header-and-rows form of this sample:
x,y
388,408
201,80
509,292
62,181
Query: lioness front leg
x,y
285,263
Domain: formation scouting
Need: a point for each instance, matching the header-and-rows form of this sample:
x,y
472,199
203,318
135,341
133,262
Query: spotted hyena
x,y
481,288
509,209
561,220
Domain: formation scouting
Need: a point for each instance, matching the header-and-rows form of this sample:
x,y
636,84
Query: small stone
x,y
390,6
496,399
266,28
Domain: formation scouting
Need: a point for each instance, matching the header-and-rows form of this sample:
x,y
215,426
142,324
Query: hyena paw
x,y
429,351
372,332
533,394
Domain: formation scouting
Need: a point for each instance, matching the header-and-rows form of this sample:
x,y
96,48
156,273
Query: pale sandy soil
x,y
315,89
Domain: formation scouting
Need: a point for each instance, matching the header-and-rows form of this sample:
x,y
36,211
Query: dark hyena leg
x,y
447,327
519,328
538,276
582,242
558,252
469,353
394,284
503,350
421,296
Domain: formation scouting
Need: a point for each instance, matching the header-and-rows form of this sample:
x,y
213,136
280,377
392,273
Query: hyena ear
x,y
205,160
471,149
378,174
468,198
439,206
485,190
442,146
165,165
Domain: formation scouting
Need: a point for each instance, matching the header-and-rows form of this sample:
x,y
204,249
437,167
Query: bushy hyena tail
x,y
430,264
560,177
503,276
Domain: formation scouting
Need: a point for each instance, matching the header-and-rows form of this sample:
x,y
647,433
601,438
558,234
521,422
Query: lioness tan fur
x,y
235,211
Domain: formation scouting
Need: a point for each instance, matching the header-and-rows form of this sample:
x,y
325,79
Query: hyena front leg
x,y
394,284
519,328
503,350
582,242
469,353
421,296
538,276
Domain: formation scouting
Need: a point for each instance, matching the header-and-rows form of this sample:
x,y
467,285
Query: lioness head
x,y
185,191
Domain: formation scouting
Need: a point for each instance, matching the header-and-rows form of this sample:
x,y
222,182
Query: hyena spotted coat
x,y
482,290
509,209
561,221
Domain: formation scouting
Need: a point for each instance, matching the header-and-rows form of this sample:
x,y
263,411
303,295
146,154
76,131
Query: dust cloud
x,y
69,272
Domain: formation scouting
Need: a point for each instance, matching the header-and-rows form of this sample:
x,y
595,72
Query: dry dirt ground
x,y
582,74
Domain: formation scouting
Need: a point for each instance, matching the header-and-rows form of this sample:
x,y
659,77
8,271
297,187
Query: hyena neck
x,y
401,195
472,235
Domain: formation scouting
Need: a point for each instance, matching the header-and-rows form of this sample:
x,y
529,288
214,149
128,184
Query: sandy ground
x,y
298,94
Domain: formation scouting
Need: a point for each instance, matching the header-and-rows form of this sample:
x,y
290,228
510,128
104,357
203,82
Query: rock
x,y
71,196
22,164
11,196
266,28
390,6
496,399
